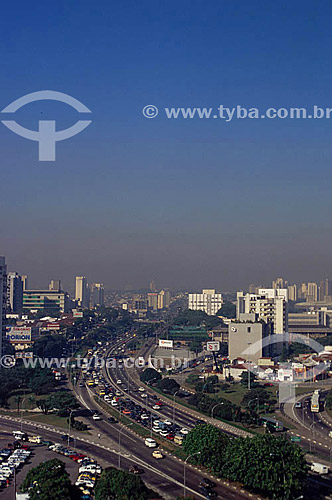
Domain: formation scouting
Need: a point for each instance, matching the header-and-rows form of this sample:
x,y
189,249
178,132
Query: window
x,y
249,329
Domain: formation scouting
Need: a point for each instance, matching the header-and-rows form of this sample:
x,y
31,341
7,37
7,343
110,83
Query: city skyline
x,y
192,202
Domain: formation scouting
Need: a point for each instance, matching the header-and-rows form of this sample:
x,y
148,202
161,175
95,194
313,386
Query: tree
x,y
195,346
211,443
270,465
168,385
117,484
48,478
62,402
49,346
244,379
228,310
258,395
149,374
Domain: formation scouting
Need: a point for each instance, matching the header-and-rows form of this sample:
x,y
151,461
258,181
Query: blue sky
x,y
188,203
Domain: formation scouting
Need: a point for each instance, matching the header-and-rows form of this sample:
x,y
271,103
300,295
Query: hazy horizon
x,y
189,203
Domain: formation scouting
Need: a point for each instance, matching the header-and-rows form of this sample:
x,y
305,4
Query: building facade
x,y
50,300
245,338
208,301
82,291
270,304
96,295
14,293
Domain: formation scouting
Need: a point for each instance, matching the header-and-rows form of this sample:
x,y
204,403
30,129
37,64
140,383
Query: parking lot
x,y
39,454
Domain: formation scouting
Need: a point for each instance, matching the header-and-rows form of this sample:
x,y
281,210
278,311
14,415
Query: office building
x,y
96,295
270,304
55,285
25,281
292,292
279,283
246,334
14,293
153,301
3,300
208,301
82,291
152,286
312,292
164,299
52,301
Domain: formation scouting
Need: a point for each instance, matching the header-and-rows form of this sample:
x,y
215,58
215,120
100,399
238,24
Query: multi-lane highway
x,y
170,469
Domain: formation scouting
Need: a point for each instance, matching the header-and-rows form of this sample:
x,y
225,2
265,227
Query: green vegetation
x,y
196,318
228,310
50,346
37,380
268,465
209,444
49,478
120,485
168,385
149,374
61,403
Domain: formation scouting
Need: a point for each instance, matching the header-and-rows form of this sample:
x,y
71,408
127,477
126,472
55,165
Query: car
x,y
141,389
144,395
156,407
298,404
157,454
112,420
135,470
164,433
150,443
184,431
207,483
167,422
119,382
96,417
268,384
170,437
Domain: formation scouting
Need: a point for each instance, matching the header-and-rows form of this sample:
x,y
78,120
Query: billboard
x,y
166,343
19,334
77,314
213,346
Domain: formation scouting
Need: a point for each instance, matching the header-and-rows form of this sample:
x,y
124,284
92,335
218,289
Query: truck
x,y
319,468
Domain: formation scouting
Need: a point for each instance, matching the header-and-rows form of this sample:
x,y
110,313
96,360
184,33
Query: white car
x,y
141,389
150,443
119,382
167,422
114,403
184,431
164,433
144,395
96,417
156,407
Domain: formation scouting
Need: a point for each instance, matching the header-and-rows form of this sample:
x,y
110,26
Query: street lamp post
x,y
120,432
184,471
215,406
249,365
175,393
69,424
312,432
22,410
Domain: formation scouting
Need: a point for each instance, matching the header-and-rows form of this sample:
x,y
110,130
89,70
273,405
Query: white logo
x,y
46,136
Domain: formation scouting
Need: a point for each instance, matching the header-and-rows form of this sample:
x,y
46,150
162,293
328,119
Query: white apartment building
x,y
270,304
208,301
3,300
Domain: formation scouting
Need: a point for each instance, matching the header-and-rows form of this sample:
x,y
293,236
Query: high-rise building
x,y
3,300
55,285
292,292
25,281
312,292
164,299
14,292
96,295
82,291
270,304
279,283
245,332
53,301
325,290
153,301
208,301
152,286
